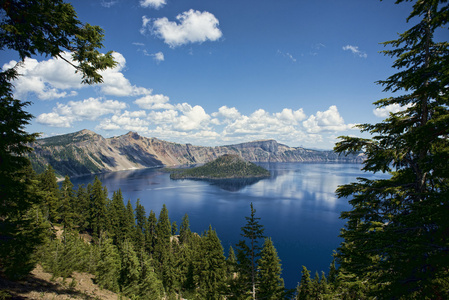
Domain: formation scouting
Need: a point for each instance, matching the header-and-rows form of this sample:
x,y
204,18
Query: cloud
x,y
355,50
130,121
108,4
54,79
64,115
49,79
159,56
154,102
53,119
329,120
116,84
287,55
384,112
153,3
191,27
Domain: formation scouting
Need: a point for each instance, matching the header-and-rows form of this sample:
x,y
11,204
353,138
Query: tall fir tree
x,y
141,225
249,254
211,267
98,195
150,232
396,234
47,28
67,202
116,215
80,207
304,290
269,273
48,186
109,266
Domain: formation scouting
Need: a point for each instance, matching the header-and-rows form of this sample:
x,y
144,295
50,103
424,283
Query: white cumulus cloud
x,y
329,120
153,102
153,3
55,78
64,115
191,27
384,112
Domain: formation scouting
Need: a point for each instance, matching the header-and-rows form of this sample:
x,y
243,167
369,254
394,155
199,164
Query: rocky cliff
x,y
85,152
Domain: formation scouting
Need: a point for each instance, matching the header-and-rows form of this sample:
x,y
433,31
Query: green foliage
x,y
269,273
98,196
248,255
226,166
211,267
108,270
395,241
64,255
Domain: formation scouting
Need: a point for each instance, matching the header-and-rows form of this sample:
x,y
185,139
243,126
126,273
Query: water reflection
x,y
297,205
230,185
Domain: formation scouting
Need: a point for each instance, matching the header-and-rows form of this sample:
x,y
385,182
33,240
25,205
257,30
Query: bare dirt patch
x,y
38,285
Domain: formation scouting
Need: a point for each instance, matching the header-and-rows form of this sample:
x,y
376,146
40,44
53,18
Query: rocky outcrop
x,y
85,152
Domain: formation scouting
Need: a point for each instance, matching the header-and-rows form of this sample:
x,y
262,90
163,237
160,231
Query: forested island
x,y
227,166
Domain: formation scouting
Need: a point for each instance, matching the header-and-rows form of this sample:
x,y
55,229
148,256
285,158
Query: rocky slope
x,y
85,152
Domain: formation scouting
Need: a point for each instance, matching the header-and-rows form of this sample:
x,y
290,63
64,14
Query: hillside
x,y
85,152
225,167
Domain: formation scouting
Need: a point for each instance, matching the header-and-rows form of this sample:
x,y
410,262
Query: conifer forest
x,y
395,244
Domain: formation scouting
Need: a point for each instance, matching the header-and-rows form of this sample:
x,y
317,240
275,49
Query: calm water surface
x,y
297,206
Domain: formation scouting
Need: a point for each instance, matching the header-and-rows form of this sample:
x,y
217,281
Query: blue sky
x,y
220,72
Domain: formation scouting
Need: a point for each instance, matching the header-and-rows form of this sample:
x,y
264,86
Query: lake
x,y
297,206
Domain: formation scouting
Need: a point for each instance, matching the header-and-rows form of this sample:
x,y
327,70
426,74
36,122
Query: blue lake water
x,y
297,206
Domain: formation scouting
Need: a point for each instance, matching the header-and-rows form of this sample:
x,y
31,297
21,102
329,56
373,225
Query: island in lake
x,y
228,166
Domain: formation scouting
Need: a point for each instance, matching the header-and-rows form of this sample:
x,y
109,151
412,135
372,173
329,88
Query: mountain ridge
x,y
86,152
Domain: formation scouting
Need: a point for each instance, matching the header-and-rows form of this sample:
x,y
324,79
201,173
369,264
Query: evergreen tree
x,y
109,266
130,269
150,232
98,195
81,206
253,231
269,275
211,267
184,230
150,286
163,234
396,234
117,213
48,186
304,290
129,225
45,28
66,206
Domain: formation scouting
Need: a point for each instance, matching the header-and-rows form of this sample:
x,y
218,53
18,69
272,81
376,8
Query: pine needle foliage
x,y
396,233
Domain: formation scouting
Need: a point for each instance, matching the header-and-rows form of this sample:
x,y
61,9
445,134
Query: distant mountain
x,y
226,166
85,152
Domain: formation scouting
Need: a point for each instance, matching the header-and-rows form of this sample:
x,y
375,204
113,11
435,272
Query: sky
x,y
220,72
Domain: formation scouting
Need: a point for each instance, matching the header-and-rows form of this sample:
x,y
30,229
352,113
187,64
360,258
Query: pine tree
x,y
248,255
396,234
150,286
48,185
304,290
130,269
98,195
129,225
81,206
45,28
108,268
66,207
269,275
117,216
184,230
141,224
212,267
150,232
